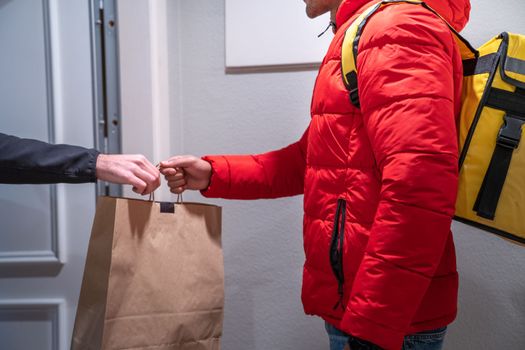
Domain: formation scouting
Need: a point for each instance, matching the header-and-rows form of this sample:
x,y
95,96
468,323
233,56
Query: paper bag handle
x,y
152,194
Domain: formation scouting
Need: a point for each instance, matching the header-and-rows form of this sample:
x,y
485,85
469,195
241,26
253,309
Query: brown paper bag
x,y
153,279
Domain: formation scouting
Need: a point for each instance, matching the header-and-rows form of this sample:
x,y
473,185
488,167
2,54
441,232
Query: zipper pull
x,y
331,24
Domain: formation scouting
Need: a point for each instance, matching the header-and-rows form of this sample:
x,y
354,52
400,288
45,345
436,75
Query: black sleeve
x,y
26,161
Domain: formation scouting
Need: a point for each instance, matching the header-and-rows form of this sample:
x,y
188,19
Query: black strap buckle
x,y
354,97
510,133
351,86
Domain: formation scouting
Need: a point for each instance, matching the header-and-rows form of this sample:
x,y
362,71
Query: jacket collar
x,y
456,12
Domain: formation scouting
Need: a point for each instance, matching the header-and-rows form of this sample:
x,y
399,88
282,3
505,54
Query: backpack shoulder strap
x,y
353,35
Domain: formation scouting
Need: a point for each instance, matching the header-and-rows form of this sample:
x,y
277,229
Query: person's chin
x,y
311,13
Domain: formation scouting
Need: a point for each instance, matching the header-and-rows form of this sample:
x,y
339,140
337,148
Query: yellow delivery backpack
x,y
491,192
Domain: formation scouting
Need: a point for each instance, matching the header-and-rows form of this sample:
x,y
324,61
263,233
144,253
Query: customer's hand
x,y
134,170
186,172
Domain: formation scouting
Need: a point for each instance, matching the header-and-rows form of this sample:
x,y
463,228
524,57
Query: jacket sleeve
x,y
270,175
26,161
406,89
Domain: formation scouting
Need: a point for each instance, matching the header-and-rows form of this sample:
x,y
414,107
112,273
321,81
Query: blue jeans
x,y
428,340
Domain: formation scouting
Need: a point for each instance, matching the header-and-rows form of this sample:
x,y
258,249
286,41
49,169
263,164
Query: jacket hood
x,y
456,12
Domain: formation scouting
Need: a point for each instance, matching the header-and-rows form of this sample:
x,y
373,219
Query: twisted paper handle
x,y
152,194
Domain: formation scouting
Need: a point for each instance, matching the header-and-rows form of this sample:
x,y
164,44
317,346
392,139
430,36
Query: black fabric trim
x,y
490,229
514,65
511,102
481,105
505,44
480,65
336,248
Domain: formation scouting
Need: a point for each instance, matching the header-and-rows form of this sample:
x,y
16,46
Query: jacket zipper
x,y
336,249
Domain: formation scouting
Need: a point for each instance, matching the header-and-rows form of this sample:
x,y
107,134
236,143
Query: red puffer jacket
x,y
379,183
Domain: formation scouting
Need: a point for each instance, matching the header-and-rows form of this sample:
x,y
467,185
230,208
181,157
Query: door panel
x,y
46,93
27,111
40,319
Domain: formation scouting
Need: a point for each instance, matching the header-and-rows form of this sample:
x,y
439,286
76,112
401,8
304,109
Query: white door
x,y
46,93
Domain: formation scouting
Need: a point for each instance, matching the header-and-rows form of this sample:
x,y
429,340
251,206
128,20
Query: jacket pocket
x,y
336,248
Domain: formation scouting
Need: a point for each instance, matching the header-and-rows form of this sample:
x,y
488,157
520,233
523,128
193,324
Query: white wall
x,y
262,240
144,73
212,112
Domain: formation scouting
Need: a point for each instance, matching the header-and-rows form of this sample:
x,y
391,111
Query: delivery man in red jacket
x,y
379,182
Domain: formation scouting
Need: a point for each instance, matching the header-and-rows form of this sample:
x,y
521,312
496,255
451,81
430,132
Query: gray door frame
x,y
106,84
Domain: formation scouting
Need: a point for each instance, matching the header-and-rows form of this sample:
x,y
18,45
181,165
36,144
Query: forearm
x,y
270,175
26,161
